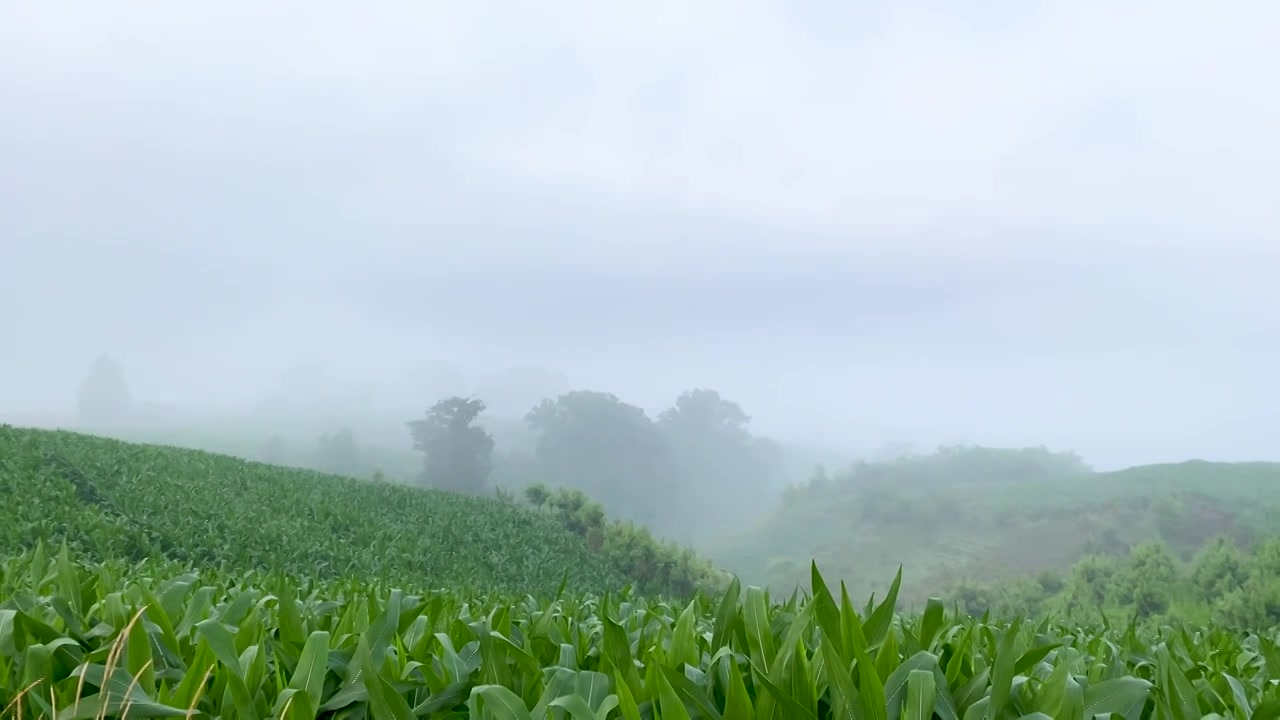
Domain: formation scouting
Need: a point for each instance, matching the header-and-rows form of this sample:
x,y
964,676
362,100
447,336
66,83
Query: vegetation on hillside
x,y
156,640
198,584
626,545
458,453
1223,584
115,500
982,516
700,449
660,473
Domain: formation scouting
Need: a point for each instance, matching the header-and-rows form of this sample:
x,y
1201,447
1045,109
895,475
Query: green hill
x,y
982,515
117,500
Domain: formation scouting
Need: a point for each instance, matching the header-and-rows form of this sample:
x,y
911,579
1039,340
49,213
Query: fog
x,y
1026,224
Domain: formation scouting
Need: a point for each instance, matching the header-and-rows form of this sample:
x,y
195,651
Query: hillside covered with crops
x,y
149,581
121,501
156,640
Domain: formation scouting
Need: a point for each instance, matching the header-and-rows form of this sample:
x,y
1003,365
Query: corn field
x,y
116,500
84,640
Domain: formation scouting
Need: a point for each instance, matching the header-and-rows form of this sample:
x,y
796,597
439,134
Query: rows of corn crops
x,y
153,640
117,500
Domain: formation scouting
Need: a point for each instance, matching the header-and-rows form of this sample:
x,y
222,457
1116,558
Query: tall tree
x,y
708,415
459,454
103,396
594,442
721,464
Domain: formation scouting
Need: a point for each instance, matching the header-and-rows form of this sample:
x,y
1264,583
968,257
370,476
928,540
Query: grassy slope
x,y
123,500
984,531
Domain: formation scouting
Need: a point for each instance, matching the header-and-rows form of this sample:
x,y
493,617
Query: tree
x,y
103,396
720,463
339,453
594,442
273,451
705,412
1219,568
459,455
1153,577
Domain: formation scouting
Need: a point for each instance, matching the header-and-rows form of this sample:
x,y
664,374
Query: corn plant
x,y
152,639
113,500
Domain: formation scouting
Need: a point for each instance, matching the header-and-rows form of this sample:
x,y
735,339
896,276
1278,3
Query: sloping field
x,y
117,500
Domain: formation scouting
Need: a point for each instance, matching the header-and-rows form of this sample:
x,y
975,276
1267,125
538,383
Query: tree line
x,y
687,473
696,459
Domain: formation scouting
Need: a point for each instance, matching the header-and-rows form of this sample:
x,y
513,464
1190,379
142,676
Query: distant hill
x,y
113,499
983,514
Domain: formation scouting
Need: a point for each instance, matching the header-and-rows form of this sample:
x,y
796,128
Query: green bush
x,y
626,547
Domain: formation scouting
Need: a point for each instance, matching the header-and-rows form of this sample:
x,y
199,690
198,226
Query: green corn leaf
x,y
877,625
684,638
790,708
844,694
1122,696
1268,709
496,702
578,708
759,633
294,704
737,701
627,706
308,676
1003,670
921,696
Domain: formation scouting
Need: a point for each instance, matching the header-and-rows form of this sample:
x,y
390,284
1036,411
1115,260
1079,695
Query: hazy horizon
x,y
1025,224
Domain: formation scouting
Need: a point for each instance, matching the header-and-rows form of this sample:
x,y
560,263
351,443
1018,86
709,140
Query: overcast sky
x,y
1024,223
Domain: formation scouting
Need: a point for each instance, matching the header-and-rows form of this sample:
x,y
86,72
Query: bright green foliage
x,y
151,640
115,500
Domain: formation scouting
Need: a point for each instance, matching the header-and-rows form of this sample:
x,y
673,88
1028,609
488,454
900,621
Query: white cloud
x,y
1120,121
1139,124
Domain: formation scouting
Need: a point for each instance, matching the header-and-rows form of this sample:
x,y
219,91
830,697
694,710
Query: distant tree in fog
x,y
103,396
706,411
339,453
459,454
719,460
594,442
273,451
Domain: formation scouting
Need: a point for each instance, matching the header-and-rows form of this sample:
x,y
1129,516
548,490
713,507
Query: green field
x,y
153,640
149,581
116,500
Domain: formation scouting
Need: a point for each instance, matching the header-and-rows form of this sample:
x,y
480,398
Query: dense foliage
x,y
626,545
1223,584
700,449
989,516
458,453
115,500
152,640
660,473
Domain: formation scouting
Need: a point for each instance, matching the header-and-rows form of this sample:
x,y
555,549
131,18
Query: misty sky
x,y
1029,223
